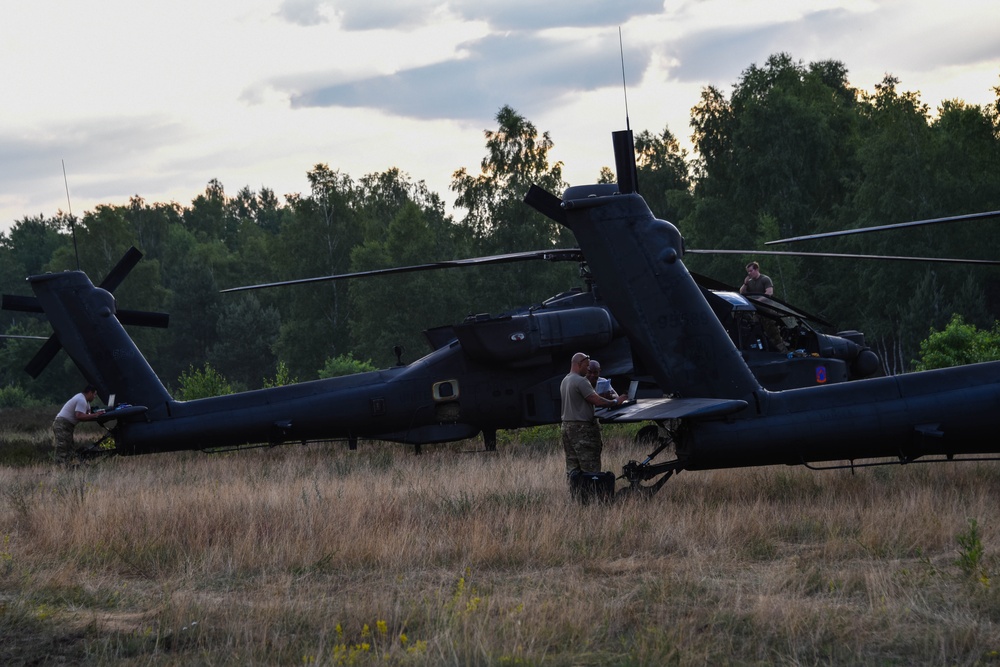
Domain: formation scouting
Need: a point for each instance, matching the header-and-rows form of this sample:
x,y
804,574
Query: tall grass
x,y
321,555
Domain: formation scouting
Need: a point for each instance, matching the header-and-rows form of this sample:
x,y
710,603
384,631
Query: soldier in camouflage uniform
x,y
76,410
581,434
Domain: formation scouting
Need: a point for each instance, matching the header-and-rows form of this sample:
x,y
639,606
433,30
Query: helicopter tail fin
x,y
636,259
84,320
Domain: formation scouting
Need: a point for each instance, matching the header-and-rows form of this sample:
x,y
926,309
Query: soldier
x,y
757,283
581,434
601,385
76,410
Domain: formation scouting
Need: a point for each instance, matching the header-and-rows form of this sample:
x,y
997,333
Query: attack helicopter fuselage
x,y
674,333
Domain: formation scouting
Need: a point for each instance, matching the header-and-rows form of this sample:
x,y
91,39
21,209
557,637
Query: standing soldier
x,y
581,434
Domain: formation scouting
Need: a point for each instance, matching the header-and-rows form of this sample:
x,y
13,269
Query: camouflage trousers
x,y
582,444
62,440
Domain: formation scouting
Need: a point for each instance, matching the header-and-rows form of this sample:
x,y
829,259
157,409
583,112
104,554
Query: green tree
x,y
390,311
664,174
27,248
774,159
895,182
498,220
247,333
316,239
206,218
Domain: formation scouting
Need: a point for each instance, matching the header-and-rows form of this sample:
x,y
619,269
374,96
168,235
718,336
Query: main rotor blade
x,y
557,254
834,255
881,228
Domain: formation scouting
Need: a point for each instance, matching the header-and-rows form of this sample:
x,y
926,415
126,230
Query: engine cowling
x,y
520,337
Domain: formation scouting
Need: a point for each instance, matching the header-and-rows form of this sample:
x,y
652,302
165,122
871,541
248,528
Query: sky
x,y
118,98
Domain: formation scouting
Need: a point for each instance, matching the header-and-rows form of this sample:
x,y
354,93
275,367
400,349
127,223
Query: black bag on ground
x,y
586,486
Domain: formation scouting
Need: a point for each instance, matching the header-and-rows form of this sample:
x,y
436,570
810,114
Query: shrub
x,y
345,364
202,384
14,396
957,345
281,378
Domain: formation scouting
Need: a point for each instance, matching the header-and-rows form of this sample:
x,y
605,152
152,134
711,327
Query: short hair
x,y
754,265
89,388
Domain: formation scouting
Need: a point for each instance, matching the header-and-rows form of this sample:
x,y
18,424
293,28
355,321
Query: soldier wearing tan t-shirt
x,y
581,434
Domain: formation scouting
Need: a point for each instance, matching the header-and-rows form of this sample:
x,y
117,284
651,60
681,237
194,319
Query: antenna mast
x,y
621,50
72,220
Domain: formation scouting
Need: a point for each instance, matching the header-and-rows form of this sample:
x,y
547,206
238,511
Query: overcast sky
x,y
156,98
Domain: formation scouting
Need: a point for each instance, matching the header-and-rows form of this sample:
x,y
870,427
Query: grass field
x,y
318,555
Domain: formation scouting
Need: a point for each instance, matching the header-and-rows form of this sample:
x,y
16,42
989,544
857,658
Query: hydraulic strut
x,y
636,472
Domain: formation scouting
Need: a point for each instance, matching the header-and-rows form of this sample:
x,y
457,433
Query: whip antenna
x,y
72,220
621,50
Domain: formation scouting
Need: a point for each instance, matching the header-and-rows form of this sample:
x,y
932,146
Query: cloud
x,y
529,15
99,144
714,54
103,160
886,35
523,70
303,12
354,15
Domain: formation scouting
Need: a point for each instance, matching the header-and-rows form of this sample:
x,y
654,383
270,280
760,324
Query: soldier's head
x,y
579,364
593,372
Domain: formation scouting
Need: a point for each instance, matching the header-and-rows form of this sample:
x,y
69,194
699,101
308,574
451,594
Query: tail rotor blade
x,y
142,318
121,270
45,354
114,278
24,304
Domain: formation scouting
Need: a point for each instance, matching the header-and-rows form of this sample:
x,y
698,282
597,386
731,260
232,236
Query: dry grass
x,y
320,555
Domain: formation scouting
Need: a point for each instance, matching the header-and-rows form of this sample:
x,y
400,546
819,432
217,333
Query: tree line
x,y
794,149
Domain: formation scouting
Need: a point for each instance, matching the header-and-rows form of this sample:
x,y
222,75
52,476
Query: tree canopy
x,y
793,149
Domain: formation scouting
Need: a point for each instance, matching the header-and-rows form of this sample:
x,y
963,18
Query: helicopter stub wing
x,y
670,408
131,413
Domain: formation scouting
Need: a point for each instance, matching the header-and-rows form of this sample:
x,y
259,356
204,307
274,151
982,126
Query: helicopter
x,y
727,419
